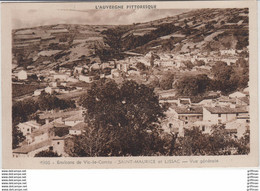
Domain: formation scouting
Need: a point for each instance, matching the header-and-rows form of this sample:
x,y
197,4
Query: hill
x,y
202,30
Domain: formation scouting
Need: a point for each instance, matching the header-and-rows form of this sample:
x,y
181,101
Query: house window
x,y
28,129
219,121
51,148
198,117
170,125
186,122
75,131
58,143
219,115
247,121
186,118
237,114
203,128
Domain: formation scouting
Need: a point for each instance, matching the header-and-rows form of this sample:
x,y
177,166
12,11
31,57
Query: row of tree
x,y
226,78
24,110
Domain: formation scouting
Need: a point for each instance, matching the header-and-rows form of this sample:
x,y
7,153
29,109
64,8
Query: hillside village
x,y
65,60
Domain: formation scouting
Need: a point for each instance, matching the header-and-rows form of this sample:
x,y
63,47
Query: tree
x,y
188,64
21,110
193,85
152,60
219,142
131,112
47,153
167,81
17,137
222,77
93,142
153,81
241,62
141,66
61,131
199,63
228,78
49,102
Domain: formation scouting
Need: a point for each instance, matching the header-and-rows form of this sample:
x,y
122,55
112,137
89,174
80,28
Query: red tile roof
x,y
55,115
77,117
188,110
29,148
79,126
225,110
55,124
244,99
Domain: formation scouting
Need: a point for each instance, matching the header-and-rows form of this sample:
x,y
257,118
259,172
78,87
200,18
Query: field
x,y
23,89
72,95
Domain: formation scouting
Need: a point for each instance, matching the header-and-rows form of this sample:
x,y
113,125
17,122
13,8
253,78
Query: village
x,y
231,110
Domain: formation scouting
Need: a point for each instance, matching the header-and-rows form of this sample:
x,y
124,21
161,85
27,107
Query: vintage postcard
x,y
129,85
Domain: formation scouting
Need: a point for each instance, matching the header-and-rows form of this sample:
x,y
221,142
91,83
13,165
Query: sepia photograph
x,y
131,81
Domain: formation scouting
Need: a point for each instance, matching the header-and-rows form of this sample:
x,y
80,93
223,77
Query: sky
x,y
22,18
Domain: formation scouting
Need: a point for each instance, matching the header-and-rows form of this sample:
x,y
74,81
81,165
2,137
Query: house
x,y
125,67
179,118
62,77
49,90
95,66
58,145
237,95
115,73
246,90
56,116
214,94
28,127
22,75
205,126
53,84
119,66
38,136
37,92
32,149
240,126
166,94
173,125
73,120
78,70
207,102
188,114
133,72
87,79
63,84
71,79
226,101
105,65
78,128
58,120
229,51
164,63
243,102
220,115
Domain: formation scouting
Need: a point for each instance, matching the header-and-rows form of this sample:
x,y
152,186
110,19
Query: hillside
x,y
204,30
